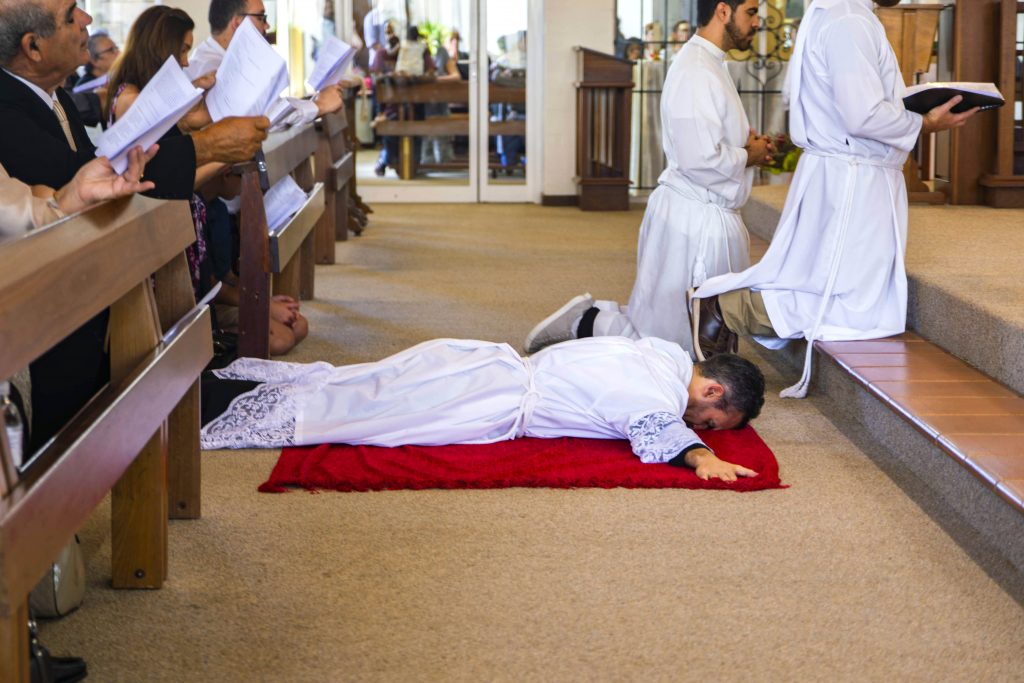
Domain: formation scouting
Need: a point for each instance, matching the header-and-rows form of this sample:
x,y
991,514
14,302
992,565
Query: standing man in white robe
x,y
449,391
834,269
692,228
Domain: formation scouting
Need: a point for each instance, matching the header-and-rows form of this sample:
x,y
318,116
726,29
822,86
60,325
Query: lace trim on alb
x,y
659,437
261,418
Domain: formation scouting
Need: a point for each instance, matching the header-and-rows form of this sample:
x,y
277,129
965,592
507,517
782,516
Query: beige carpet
x,y
841,577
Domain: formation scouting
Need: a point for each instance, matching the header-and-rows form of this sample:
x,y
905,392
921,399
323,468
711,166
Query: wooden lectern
x,y
911,32
603,106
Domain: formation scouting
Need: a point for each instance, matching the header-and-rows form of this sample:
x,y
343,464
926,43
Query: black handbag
x,y
45,668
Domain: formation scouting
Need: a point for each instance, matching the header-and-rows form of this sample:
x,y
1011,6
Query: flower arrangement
x,y
787,154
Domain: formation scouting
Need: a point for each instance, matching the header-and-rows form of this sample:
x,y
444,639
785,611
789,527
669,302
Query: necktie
x,y
63,118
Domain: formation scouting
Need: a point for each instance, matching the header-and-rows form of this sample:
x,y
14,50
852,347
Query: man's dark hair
x,y
222,12
743,382
706,9
17,19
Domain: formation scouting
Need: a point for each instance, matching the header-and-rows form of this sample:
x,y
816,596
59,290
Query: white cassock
x,y
692,227
834,269
208,55
449,391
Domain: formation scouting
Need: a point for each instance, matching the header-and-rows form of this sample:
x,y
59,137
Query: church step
x,y
944,429
963,266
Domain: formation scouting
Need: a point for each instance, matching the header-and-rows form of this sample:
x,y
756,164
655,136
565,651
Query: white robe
x,y
834,269
450,391
692,227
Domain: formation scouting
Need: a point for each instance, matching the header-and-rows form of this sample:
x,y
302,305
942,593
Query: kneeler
x,y
529,462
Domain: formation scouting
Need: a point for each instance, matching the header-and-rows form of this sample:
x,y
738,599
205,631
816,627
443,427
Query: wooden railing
x,y
335,168
287,255
139,436
1005,187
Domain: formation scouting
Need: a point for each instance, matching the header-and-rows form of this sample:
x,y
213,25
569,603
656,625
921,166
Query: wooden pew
x,y
335,168
407,92
281,262
139,436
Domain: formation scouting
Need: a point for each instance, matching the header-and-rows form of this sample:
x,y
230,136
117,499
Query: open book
x,y
926,96
331,64
166,98
249,79
282,201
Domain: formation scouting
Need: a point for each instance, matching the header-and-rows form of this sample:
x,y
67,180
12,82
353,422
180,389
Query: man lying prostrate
x,y
225,17
455,391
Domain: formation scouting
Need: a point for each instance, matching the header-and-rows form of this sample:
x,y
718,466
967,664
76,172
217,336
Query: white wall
x,y
197,9
567,23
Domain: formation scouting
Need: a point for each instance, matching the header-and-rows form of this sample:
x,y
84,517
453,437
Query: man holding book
x,y
834,269
225,17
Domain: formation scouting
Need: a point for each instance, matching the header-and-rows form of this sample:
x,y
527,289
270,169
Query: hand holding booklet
x,y
249,79
331,64
282,201
166,98
924,97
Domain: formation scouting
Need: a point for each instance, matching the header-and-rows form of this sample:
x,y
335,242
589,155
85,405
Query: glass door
x,y
444,116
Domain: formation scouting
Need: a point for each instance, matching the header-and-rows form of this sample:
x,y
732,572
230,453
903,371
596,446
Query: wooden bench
x,y
139,436
405,92
287,255
336,169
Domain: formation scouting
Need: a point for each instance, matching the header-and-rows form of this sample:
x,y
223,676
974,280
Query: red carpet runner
x,y
552,463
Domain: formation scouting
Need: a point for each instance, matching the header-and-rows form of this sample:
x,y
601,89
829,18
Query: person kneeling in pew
x,y
455,391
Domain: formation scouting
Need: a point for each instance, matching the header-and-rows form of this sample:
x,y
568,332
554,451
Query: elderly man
x,y
42,42
225,17
102,53
692,228
834,270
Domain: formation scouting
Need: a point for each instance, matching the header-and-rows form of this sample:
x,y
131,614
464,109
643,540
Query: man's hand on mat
x,y
708,466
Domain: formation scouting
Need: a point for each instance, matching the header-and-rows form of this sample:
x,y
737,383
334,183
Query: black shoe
x,y
711,336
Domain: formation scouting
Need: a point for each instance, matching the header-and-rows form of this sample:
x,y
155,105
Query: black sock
x,y
586,326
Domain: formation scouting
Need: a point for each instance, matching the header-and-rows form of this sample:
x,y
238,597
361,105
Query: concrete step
x,y
940,409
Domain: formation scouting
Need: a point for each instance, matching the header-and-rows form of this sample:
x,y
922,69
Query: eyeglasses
x,y
113,48
262,16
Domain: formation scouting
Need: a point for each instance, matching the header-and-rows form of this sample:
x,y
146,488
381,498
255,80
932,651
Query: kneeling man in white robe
x,y
834,269
692,228
451,391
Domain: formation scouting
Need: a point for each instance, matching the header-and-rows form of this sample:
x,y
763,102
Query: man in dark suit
x,y
44,143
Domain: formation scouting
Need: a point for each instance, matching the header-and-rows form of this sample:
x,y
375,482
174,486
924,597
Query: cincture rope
x,y
799,390
527,403
700,268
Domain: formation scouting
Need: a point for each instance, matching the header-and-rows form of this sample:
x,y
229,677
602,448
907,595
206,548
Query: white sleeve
x,y
852,63
659,437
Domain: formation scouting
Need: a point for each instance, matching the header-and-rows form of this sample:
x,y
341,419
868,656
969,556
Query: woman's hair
x,y
158,33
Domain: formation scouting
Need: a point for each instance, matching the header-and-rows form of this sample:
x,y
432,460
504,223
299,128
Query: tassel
x,y
799,390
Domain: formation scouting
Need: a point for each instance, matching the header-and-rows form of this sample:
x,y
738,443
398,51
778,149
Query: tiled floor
x,y
978,421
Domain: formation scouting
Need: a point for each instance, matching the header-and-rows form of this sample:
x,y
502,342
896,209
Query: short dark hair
x,y
412,33
706,9
222,12
17,19
743,382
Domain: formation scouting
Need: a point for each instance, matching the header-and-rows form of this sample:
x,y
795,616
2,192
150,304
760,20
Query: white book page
x,y
282,201
164,100
330,64
278,111
979,88
249,79
89,86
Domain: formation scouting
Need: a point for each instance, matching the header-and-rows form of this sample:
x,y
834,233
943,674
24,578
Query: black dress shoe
x,y
711,336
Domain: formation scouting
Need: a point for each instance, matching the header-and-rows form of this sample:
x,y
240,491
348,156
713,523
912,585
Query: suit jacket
x,y
34,150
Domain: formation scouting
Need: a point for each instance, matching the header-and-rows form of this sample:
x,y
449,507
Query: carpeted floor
x,y
840,577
